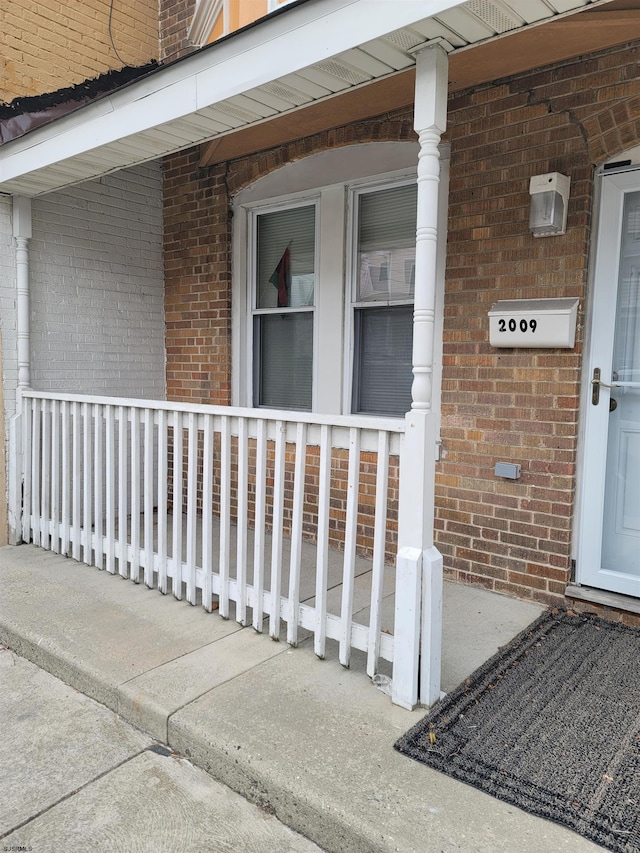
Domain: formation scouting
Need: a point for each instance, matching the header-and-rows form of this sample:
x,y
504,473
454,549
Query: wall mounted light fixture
x,y
549,199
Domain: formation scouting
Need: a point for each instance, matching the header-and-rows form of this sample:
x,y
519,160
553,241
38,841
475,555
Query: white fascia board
x,y
280,45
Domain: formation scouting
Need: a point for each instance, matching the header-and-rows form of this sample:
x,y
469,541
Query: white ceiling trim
x,y
285,62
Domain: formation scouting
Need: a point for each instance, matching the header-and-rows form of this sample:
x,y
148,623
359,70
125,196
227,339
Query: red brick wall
x,y
197,258
175,20
498,405
519,405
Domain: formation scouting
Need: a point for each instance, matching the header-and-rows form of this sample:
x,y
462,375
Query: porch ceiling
x,y
314,66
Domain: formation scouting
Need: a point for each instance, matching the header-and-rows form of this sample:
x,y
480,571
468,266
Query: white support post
x,y
22,234
418,613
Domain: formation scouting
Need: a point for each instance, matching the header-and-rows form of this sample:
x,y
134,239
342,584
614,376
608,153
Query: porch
x,y
275,724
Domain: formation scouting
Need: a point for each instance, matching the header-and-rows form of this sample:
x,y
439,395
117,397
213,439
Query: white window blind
x,y
286,246
284,365
383,377
387,244
283,312
385,273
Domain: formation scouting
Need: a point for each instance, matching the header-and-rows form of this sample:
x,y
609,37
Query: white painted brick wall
x,y
97,310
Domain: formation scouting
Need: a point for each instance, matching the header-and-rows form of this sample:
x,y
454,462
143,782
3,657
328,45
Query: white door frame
x,y
610,191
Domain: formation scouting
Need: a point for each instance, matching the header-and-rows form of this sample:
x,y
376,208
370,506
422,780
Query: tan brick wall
x,y
49,45
498,405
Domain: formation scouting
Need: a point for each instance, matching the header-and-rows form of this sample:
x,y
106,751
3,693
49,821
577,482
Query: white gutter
x,y
278,46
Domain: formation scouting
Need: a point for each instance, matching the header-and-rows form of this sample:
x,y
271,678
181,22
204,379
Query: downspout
x,y
419,583
22,235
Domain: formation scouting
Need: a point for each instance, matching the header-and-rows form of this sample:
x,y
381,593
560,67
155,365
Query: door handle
x,y
597,383
595,387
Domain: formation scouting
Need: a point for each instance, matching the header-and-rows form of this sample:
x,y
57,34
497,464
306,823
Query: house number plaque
x,y
535,323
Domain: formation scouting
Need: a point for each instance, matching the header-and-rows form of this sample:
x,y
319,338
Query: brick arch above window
x,y
343,165
396,127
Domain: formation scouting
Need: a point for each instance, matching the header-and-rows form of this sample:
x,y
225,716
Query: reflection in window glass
x,y
286,258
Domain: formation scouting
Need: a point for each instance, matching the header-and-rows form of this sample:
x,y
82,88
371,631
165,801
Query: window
x,y
323,283
383,287
284,296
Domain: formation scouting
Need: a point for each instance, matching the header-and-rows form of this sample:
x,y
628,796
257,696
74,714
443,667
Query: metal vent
x,y
228,109
284,92
494,15
404,39
342,71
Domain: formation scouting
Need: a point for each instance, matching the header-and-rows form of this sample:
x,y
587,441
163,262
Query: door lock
x,y
613,404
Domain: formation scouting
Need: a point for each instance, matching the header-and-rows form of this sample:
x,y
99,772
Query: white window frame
x,y
204,19
253,311
355,191
356,168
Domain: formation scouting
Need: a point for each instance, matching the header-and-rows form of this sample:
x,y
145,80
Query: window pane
x,y
387,243
286,255
284,346
383,377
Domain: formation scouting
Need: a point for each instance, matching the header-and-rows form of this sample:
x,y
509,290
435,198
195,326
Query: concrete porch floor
x,y
308,740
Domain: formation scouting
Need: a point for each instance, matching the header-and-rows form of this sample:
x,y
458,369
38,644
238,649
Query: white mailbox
x,y
533,323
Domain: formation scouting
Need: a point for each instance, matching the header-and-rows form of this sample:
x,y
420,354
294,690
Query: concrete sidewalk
x,y
306,739
78,778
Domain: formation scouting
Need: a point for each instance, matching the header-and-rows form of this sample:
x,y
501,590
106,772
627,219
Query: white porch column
x,y
22,235
418,614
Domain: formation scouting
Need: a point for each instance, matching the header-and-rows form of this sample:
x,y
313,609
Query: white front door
x,y
609,538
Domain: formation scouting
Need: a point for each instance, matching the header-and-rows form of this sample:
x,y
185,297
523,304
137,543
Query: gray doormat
x,y
550,724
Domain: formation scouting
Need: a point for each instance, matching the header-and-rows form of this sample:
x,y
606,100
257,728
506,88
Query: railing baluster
x,y
27,440
87,482
76,487
351,532
296,534
98,469
163,467
110,489
258,543
45,527
207,514
225,513
379,536
241,530
148,497
123,484
192,505
55,476
35,472
134,535
176,551
66,479
277,534
322,552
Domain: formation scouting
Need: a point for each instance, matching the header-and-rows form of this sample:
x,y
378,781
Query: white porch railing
x,y
219,505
